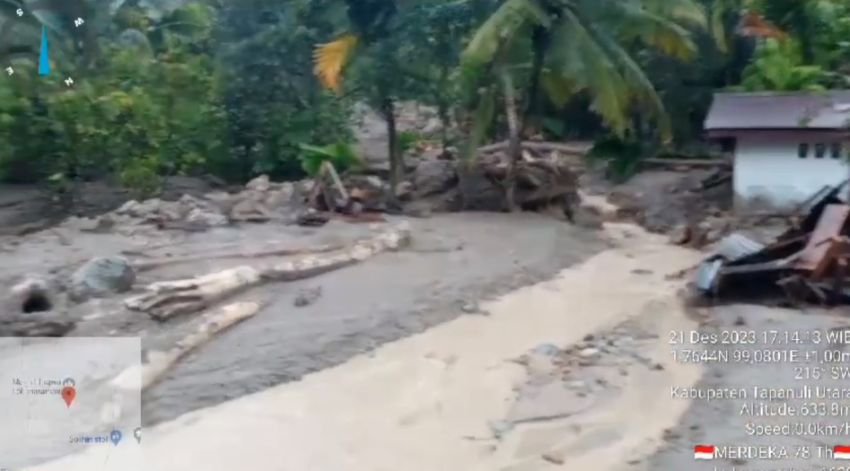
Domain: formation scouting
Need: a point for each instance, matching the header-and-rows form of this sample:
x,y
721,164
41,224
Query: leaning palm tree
x,y
581,45
576,46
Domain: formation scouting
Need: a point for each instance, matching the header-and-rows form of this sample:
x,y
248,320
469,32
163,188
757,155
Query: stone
x,y
587,217
546,349
281,196
404,190
470,308
204,218
32,294
589,352
307,296
260,183
554,457
433,176
100,277
679,235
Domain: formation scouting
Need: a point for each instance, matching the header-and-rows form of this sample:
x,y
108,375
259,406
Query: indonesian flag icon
x,y
706,452
841,452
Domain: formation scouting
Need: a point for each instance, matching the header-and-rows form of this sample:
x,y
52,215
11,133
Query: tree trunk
x,y
443,107
168,299
539,41
388,110
514,142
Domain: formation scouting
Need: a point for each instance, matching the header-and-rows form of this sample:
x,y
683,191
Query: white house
x,y
785,146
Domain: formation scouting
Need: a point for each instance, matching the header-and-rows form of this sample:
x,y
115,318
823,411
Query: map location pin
x,y
69,393
115,437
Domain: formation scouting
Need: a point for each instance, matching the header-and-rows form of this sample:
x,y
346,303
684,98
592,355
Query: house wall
x,y
769,174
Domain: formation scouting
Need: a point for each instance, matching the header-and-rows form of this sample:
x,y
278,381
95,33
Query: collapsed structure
x,y
807,263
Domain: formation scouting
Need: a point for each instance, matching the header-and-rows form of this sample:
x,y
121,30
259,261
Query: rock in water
x,y
32,294
100,277
307,296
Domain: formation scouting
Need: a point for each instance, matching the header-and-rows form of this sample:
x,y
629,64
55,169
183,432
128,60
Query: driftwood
x,y
332,202
575,148
159,363
143,265
540,184
165,300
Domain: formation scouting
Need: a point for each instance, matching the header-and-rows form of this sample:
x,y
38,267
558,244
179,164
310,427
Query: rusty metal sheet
x,y
829,227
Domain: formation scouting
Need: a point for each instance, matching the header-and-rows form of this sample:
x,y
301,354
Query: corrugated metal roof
x,y
770,110
736,246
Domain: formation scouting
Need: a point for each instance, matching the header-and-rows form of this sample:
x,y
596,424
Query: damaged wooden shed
x,y
807,263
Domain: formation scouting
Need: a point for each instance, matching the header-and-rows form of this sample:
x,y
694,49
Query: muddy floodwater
x,y
455,261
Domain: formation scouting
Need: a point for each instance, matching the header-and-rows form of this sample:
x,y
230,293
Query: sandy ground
x,y
569,372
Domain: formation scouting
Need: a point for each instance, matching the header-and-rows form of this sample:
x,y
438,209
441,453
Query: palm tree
x,y
583,46
371,23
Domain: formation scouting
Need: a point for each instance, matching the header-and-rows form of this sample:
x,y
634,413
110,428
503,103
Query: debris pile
x,y
807,263
691,205
434,181
259,201
546,176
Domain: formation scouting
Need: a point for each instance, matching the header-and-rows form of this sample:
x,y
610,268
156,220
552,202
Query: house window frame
x,y
836,150
803,149
820,150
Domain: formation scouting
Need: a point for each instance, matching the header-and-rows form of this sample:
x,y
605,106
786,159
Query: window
x,y
803,150
835,150
820,150
727,145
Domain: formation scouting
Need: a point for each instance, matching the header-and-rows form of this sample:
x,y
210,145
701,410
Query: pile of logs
x,y
545,175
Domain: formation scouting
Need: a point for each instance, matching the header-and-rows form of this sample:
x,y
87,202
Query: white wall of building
x,y
769,171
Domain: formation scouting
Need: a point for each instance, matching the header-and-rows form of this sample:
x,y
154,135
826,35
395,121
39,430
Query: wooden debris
x,y
159,363
165,300
808,262
574,148
143,265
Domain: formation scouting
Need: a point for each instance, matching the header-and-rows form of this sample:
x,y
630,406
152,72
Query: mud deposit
x,y
560,374
454,262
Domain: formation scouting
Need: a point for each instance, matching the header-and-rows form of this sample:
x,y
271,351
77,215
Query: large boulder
x,y
101,277
434,176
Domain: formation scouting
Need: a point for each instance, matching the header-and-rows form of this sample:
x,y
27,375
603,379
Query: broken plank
x,y
829,226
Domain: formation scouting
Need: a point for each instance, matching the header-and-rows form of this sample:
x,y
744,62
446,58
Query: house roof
x,y
769,110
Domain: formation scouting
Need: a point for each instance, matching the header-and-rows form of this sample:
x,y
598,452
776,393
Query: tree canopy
x,y
241,88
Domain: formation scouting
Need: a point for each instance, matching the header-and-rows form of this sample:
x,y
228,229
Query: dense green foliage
x,y
228,88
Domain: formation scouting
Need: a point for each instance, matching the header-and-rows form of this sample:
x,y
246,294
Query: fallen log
x,y
575,148
143,265
168,299
159,363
